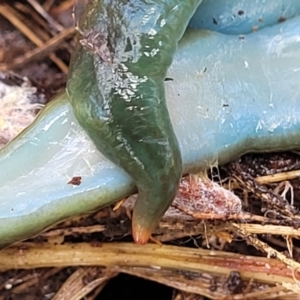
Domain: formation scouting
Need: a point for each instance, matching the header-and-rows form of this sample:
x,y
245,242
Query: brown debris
x,y
76,180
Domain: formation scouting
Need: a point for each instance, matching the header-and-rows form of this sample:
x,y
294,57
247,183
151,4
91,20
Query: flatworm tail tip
x,y
140,234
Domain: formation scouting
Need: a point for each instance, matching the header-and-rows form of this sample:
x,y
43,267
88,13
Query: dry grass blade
x,y
271,252
93,294
41,52
218,263
11,15
82,282
35,280
269,229
48,4
40,9
189,282
209,286
278,177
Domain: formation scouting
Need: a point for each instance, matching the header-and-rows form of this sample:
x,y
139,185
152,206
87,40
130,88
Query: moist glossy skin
x,y
242,16
247,94
127,47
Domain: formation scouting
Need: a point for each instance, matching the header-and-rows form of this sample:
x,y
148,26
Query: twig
x,y
9,13
278,177
40,9
41,26
41,52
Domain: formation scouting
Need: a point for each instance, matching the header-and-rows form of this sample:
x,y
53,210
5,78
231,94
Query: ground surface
x,y
36,50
